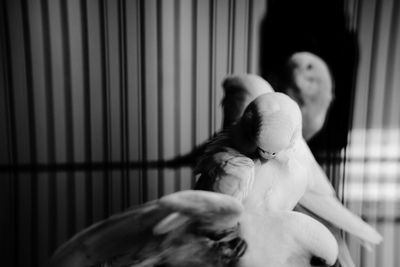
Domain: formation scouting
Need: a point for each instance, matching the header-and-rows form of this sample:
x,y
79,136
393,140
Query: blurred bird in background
x,y
309,82
323,29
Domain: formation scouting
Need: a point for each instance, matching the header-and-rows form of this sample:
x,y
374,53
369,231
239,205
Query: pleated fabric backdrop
x,y
88,86
372,180
93,82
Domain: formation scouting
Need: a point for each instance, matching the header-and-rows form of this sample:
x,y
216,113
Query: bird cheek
x,y
284,157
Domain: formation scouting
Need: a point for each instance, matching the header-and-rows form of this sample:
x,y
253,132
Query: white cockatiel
x,y
218,232
239,91
319,196
234,161
310,83
142,236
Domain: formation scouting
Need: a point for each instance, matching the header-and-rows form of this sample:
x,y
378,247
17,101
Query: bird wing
x,y
320,198
130,234
344,256
227,172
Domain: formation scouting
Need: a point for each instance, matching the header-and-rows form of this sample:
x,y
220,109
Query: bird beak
x,y
265,154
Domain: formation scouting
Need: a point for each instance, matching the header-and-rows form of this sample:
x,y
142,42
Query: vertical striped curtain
x,y
86,85
372,167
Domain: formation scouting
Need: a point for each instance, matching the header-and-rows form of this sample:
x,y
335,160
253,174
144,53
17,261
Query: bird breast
x,y
277,186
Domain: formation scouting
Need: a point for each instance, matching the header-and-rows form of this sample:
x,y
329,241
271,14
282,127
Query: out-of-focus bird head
x,y
310,84
270,124
311,75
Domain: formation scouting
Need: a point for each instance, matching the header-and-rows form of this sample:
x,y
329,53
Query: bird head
x,y
270,124
239,91
311,85
311,76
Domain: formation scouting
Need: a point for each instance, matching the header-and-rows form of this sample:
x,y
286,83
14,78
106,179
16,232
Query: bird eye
x,y
265,154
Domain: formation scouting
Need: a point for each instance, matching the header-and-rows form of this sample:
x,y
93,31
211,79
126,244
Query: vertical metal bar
x,y
391,61
186,66
143,96
12,153
233,35
151,97
97,127
391,118
194,79
68,116
41,247
371,81
177,78
123,98
133,94
6,224
32,135
229,66
106,103
50,121
167,117
212,66
140,19
160,89
203,71
249,35
20,123
87,112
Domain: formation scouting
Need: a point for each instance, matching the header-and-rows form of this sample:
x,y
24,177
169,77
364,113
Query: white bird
x,y
269,129
310,83
239,91
226,171
217,232
319,196
286,238
149,235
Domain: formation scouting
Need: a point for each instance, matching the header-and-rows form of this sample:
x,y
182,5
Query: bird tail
x,y
344,256
344,253
330,209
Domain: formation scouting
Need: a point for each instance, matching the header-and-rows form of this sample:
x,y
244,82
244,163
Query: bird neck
x,y
243,142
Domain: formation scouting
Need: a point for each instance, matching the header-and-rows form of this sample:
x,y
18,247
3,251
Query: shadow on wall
x,y
319,27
